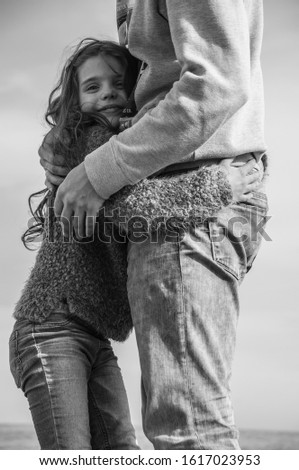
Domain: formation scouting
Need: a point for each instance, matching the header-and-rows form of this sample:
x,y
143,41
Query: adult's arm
x,y
211,43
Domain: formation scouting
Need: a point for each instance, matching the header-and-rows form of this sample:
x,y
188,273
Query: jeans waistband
x,y
191,165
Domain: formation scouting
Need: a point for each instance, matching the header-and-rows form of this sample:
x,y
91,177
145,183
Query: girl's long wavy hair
x,y
64,113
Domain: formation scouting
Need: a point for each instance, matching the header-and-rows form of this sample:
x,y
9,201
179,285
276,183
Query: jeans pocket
x,y
57,319
15,362
223,250
252,216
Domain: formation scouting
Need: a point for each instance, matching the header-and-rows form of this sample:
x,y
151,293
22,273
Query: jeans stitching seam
x,y
185,348
216,253
39,355
19,364
102,421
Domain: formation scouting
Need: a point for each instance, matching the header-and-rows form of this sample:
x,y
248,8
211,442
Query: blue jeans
x,y
73,385
183,293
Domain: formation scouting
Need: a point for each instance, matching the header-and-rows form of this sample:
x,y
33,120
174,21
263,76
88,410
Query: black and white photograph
x,y
149,252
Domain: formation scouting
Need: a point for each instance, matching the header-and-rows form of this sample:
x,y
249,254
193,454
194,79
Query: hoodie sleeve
x,y
211,43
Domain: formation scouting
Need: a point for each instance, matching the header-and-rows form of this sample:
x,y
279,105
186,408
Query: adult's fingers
x,y
64,213
46,151
78,222
253,177
90,223
58,204
50,137
49,185
252,181
66,221
252,187
47,156
53,179
248,166
57,170
245,197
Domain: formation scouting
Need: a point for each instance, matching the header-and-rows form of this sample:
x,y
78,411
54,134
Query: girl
x,y
75,297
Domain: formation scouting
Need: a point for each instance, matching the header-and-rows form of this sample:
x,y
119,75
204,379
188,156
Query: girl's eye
x,y
91,88
119,85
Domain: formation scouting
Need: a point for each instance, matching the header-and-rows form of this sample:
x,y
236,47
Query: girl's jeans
x,y
183,292
73,385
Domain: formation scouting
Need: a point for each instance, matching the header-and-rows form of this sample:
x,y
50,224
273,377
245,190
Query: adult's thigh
x,y
184,307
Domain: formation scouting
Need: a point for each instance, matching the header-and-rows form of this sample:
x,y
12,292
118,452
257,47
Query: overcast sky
x,y
35,34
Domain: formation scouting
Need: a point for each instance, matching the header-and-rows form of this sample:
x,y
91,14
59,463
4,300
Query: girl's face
x,y
101,87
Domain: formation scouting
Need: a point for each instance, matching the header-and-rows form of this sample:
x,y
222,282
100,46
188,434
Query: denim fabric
x,y
73,385
183,293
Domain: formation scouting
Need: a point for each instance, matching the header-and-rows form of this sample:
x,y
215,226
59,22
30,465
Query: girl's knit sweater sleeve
x,y
209,45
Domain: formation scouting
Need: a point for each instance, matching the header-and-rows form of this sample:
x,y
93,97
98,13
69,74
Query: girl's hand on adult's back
x,y
244,178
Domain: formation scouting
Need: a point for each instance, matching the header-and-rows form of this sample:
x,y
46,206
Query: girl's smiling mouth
x,y
111,107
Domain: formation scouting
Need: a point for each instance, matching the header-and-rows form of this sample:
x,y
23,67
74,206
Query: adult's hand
x,y
77,204
244,178
54,165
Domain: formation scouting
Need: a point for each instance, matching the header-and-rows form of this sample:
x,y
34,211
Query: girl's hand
x,y
54,165
243,179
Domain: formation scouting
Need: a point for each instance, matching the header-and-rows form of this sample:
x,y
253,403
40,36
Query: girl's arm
x,y
186,198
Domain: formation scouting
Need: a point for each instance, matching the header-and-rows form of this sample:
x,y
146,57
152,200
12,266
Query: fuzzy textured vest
x,y
90,276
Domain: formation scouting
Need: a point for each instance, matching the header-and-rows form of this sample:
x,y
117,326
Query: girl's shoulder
x,y
95,136
90,138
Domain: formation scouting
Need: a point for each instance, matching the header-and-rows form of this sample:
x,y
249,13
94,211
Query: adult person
x,y
200,102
